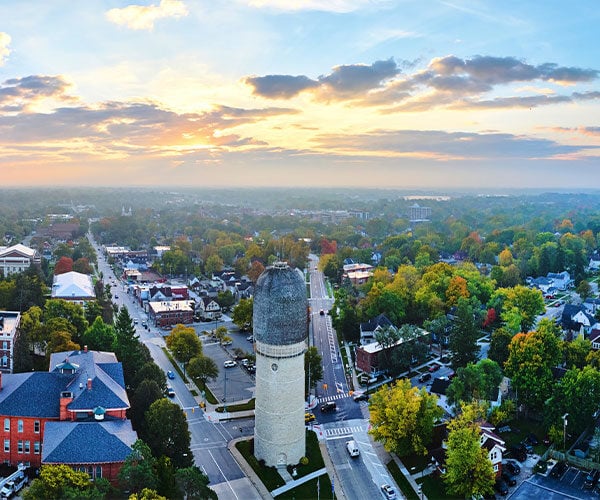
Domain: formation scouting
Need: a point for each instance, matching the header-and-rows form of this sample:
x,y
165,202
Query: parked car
x,y
532,438
229,363
251,368
508,478
250,338
512,467
592,479
525,444
501,487
170,392
559,469
388,491
328,407
361,396
424,377
170,375
519,452
434,368
321,312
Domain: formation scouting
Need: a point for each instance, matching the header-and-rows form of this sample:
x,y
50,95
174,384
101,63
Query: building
x,y
9,330
74,414
208,308
368,329
74,287
18,258
417,213
164,314
280,333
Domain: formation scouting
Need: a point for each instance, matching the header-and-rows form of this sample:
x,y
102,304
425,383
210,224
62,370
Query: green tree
x,y
128,349
184,343
225,299
469,470
402,417
584,289
137,472
60,341
242,314
202,369
530,361
144,395
463,336
147,494
475,382
193,483
576,351
99,336
526,302
500,341
313,368
213,264
387,338
73,313
167,432
151,371
56,482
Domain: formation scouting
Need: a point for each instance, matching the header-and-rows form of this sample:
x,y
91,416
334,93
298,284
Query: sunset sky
x,y
374,93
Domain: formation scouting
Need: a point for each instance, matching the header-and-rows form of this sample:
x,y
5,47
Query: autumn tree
x,y
469,471
402,417
82,266
63,265
256,269
526,303
530,361
184,343
242,314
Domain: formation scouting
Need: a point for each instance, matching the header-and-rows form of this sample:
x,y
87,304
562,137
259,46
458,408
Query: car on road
x,y
328,407
501,487
434,368
352,448
229,363
250,338
424,377
251,368
116,296
360,396
144,324
559,469
135,321
309,417
321,312
170,374
592,479
227,342
388,491
170,392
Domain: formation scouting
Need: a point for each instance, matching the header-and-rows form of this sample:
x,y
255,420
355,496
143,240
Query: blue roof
x,y
35,394
87,442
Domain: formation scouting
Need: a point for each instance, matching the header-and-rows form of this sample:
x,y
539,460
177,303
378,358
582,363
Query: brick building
x,y
164,314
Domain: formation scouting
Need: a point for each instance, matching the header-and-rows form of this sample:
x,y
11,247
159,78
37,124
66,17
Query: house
x,y
74,414
18,258
165,314
594,263
369,328
560,280
542,283
74,287
575,318
594,338
9,330
591,305
208,308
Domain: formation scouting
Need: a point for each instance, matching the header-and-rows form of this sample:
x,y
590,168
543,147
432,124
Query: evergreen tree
x,y
463,337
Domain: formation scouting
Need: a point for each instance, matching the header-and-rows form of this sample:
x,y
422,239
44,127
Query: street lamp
x,y
564,417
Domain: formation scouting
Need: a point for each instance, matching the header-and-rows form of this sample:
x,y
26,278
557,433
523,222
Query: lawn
x,y
519,431
309,489
268,475
313,453
249,405
401,481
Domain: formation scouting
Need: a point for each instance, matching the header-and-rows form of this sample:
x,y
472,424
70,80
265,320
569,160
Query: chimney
x,y
89,384
65,398
84,348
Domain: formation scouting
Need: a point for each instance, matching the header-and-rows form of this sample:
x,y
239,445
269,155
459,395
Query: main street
x,y
208,440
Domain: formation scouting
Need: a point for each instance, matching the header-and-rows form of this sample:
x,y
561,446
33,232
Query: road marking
x,y
221,471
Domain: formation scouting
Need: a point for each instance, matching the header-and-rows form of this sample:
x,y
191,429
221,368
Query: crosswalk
x,y
344,431
334,397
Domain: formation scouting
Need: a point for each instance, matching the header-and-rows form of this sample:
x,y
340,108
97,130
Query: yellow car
x,y
308,417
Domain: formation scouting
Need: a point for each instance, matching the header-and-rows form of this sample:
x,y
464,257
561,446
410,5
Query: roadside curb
x,y
248,471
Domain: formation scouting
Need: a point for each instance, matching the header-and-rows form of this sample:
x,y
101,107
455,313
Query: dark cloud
x,y
17,93
279,86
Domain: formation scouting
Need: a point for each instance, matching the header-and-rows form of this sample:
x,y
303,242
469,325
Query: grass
x,y
433,488
268,475
313,453
239,407
401,481
309,489
175,364
210,397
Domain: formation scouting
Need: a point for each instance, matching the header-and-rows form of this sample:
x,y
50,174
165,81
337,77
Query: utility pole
x,y
225,393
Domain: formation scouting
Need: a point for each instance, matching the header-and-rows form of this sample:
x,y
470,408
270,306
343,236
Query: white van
x,y
352,448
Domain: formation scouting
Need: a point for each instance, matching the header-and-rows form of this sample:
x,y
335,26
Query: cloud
x,y
448,81
586,131
19,94
141,17
344,82
4,50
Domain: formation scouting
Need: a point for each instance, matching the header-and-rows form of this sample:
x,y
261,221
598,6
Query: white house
x,y
208,308
17,258
494,445
73,286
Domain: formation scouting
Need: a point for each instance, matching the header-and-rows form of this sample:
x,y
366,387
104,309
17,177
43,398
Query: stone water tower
x,y
280,335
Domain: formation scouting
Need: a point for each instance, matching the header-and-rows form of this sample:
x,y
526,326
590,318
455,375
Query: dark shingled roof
x,y
33,394
87,442
280,306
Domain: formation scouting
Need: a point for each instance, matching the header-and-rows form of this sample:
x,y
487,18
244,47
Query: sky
x,y
411,94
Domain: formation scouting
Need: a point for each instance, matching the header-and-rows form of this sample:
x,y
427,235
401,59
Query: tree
x,y
56,482
60,341
412,349
313,368
225,299
242,314
213,264
73,313
137,472
584,289
147,494
402,417
194,484
387,338
128,349
499,343
576,352
144,395
475,382
527,302
203,369
530,361
256,269
469,470
63,265
99,336
167,432
463,336
82,266
184,343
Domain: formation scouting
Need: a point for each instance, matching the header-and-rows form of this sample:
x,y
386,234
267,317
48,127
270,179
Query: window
x,y
5,345
36,447
36,426
4,361
19,426
20,446
6,445
98,471
7,424
90,472
27,447
495,467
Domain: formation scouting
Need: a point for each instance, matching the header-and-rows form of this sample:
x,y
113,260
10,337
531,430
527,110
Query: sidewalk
x,y
292,483
411,477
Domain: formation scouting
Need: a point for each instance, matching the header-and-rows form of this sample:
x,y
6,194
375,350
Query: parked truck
x,y
13,483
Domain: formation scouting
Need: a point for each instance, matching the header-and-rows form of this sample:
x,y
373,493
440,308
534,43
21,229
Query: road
x,y
208,440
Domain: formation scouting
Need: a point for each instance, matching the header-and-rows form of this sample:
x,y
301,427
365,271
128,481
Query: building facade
x,y
17,258
9,330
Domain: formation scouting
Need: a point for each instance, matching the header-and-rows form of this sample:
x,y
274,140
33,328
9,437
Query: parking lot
x,y
569,485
